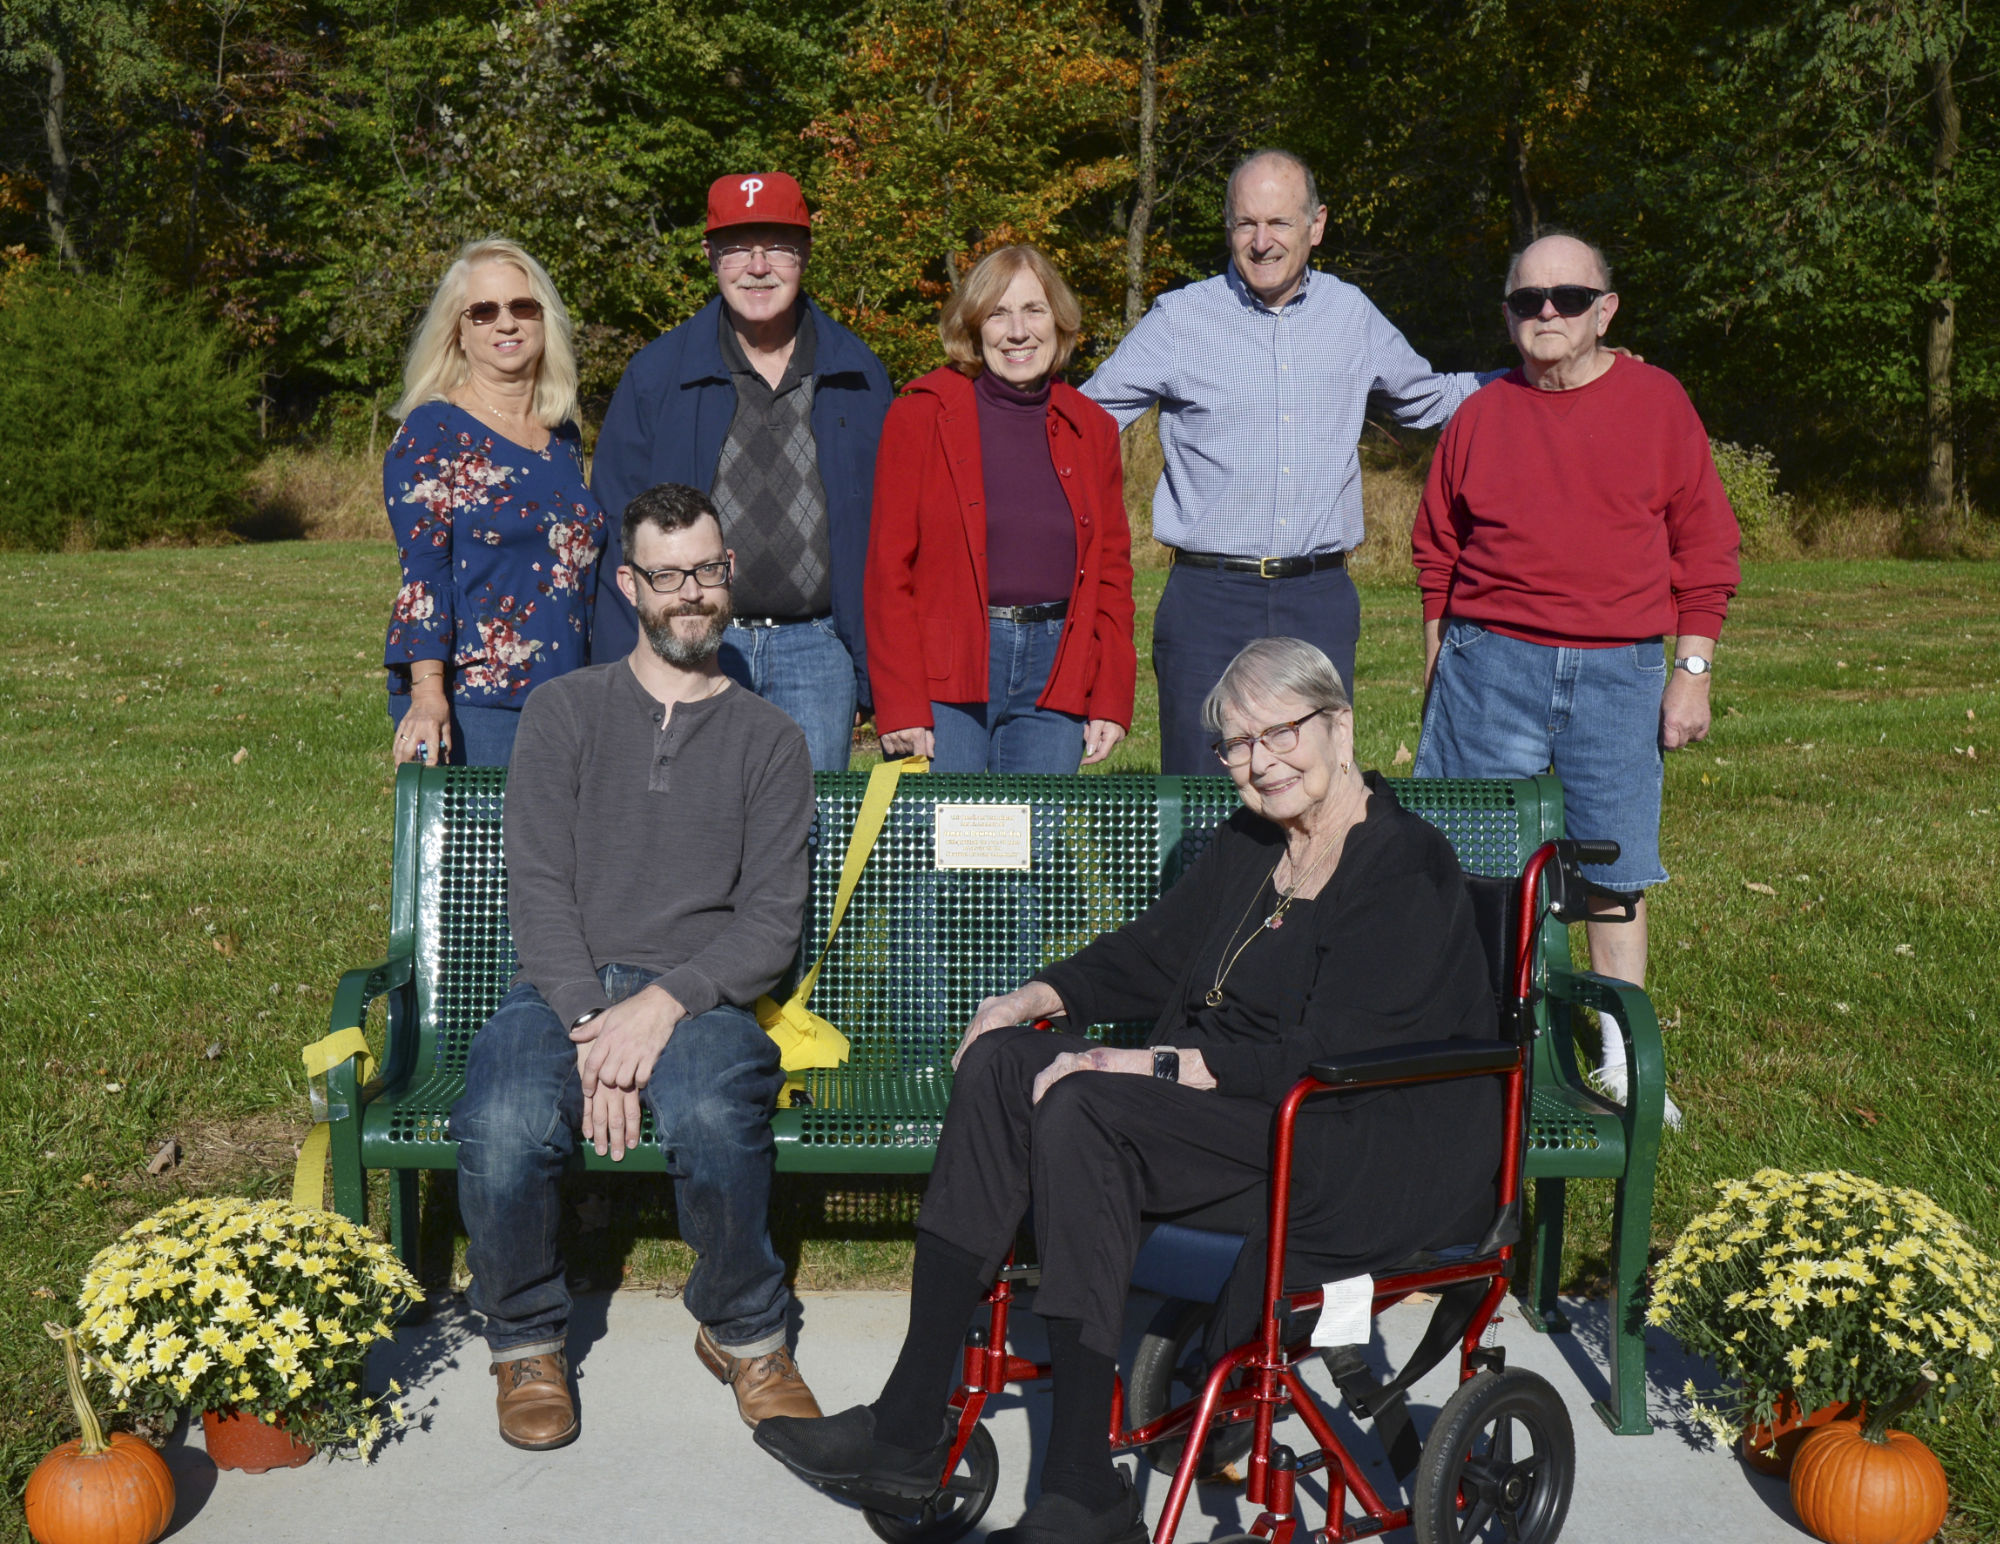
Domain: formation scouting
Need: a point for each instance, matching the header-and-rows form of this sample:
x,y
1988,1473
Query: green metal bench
x,y
920,947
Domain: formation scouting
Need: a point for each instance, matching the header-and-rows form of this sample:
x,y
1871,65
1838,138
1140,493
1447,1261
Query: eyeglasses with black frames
x,y
1568,299
669,581
1278,740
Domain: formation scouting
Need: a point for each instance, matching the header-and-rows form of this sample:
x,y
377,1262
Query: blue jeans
x,y
1503,707
1007,732
711,1096
480,737
803,668
1205,618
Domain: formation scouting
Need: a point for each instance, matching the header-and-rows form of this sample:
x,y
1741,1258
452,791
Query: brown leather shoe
x,y
536,1411
765,1385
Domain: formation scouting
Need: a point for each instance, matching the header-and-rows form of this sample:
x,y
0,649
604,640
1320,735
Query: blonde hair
x,y
980,291
436,366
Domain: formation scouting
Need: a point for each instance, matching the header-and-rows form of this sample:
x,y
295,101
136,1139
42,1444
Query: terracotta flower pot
x,y
240,1441
1770,1449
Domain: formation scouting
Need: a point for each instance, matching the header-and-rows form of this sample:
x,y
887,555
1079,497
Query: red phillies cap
x,y
760,198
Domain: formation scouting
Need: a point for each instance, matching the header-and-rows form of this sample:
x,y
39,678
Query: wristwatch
x,y
1695,665
1167,1066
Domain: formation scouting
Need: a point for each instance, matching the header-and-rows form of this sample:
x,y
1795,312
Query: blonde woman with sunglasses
x,y
495,522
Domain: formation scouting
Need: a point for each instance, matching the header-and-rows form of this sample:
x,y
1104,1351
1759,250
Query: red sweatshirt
x,y
1591,517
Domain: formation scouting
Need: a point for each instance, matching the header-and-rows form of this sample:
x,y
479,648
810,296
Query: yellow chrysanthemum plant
x,y
257,1306
1832,1287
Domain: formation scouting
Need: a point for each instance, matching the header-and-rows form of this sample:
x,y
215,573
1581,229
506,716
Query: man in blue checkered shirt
x,y
1262,375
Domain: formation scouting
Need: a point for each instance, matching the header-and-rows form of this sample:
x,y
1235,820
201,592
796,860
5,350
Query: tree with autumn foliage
x,y
961,126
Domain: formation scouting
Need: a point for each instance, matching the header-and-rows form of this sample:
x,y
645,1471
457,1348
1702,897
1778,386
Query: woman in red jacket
x,y
999,588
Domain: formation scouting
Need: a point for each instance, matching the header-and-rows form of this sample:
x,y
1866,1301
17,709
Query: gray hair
x,y
1596,254
1276,667
1269,154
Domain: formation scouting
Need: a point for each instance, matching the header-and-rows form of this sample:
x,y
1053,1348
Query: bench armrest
x,y
1645,1056
357,989
1427,1061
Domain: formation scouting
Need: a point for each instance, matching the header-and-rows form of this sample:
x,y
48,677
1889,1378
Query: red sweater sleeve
x,y
1117,662
1436,537
1703,539
895,645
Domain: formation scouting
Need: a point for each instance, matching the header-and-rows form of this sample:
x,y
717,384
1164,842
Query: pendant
x,y
1214,998
1275,921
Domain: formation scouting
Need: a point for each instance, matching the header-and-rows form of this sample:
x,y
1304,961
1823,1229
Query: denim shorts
x,y
1503,707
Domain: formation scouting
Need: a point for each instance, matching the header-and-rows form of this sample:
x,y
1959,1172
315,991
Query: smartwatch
x,y
1695,665
1167,1066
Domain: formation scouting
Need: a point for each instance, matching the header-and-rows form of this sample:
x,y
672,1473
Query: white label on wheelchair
x,y
985,836
1347,1314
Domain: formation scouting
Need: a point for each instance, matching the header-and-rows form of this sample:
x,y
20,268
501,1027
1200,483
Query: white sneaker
x,y
1611,1082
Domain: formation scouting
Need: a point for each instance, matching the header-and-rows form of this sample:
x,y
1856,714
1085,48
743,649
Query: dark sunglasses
x,y
1568,299
485,313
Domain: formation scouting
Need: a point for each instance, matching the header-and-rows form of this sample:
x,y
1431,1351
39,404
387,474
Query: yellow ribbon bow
x,y
804,1039
321,1057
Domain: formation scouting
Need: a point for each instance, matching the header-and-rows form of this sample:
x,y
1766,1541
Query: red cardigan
x,y
926,583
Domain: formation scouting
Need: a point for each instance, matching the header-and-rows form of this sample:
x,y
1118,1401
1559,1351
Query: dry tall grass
x,y
316,493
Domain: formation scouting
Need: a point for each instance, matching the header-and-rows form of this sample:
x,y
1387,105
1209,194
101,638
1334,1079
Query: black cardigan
x,y
1397,959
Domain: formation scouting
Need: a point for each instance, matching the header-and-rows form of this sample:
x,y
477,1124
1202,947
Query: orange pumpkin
x,y
1852,1486
94,1491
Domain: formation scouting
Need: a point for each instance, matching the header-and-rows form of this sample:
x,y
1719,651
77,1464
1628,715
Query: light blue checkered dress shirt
x,y
1261,411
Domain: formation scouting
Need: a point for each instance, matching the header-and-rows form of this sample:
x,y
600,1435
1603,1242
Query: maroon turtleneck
x,y
1030,532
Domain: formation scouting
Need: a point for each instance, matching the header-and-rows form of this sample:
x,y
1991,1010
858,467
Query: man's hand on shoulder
x,y
615,1054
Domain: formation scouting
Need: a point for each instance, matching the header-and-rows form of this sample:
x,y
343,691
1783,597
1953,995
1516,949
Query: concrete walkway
x,y
663,1457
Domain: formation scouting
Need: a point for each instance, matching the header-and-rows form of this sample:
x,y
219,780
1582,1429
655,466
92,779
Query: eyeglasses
x,y
1568,299
779,255
484,313
1278,739
668,581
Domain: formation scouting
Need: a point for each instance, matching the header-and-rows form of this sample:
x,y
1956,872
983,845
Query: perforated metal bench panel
x,y
919,949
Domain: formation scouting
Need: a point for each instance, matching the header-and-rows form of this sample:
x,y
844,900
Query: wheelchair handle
x,y
1575,851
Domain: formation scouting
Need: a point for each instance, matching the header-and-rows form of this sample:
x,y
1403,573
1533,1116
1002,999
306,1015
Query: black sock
x,y
946,1285
1079,1464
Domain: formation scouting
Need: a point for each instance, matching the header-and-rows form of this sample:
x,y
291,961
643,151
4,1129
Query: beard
x,y
676,648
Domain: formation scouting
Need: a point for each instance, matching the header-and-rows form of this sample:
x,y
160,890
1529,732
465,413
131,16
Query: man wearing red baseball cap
x,y
774,410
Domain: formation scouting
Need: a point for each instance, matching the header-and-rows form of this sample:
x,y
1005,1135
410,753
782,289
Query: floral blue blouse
x,y
499,547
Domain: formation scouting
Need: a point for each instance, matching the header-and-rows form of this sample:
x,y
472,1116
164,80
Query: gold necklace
x,y
1271,923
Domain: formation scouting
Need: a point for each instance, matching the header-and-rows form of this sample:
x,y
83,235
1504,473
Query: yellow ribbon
x,y
805,1040
321,1057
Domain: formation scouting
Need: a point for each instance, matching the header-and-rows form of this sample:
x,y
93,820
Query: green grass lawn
x,y
172,917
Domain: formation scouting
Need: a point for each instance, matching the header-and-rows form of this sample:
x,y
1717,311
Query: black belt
x,y
1048,611
771,621
1263,568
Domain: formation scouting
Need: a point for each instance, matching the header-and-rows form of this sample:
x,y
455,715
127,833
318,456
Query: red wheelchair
x,y
1498,1463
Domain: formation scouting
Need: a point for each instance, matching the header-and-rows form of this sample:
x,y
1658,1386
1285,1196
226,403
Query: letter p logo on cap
x,y
762,198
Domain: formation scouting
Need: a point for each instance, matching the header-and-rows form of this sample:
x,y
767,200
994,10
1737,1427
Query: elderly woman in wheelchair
x,y
1322,924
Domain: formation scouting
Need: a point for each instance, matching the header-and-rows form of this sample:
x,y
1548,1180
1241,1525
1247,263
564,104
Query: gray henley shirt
x,y
672,842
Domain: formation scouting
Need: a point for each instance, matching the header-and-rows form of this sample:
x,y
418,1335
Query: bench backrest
x,y
921,945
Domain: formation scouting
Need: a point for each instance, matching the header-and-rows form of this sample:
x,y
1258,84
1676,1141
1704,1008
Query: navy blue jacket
x,y
668,421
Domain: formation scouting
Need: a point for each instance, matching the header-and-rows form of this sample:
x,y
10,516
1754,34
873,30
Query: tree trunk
x,y
1147,192
1527,219
1940,479
59,165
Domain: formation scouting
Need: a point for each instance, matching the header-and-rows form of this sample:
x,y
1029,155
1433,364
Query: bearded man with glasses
x,y
655,836
1573,521
774,410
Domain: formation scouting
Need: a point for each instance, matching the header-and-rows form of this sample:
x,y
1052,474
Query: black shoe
x,y
1055,1519
840,1453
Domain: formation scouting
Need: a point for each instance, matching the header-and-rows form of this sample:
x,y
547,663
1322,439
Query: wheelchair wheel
x,y
954,1511
1498,1465
1168,1371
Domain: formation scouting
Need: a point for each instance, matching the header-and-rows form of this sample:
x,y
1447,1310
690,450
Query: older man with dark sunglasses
x,y
774,410
1573,520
